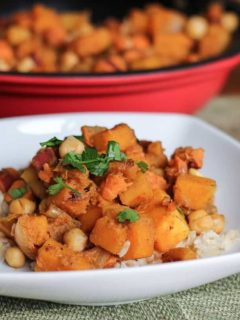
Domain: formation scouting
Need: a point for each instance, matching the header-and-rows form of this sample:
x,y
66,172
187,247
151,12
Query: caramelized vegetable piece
x,y
109,235
140,191
121,133
7,177
30,233
89,219
54,256
141,235
194,192
100,258
171,228
46,155
30,176
179,254
89,132
113,185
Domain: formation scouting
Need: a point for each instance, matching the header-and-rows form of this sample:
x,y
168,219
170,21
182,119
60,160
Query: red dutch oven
x,y
182,88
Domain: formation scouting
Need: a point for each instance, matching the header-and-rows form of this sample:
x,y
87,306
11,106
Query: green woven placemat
x,y
217,301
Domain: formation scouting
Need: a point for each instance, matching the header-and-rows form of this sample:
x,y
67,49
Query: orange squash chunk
x,y
171,228
141,236
89,219
121,133
54,256
109,235
194,192
140,191
179,254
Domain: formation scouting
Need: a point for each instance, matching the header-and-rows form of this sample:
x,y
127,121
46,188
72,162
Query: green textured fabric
x,y
217,301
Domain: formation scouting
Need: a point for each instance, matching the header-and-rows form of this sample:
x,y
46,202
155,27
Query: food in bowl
x,y
106,199
44,40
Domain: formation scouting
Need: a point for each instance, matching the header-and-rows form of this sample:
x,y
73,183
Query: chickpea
x,y
69,60
218,222
16,35
71,144
4,66
14,257
26,65
22,206
195,172
197,27
230,21
201,221
75,239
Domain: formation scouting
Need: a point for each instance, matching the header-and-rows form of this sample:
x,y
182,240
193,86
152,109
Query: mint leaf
x,y
17,193
143,166
51,143
128,215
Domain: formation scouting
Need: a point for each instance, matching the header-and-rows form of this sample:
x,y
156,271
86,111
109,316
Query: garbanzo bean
x,y
197,27
230,21
200,221
75,239
14,257
71,144
22,206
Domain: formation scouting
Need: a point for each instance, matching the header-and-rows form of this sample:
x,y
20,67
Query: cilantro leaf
x,y
80,138
74,160
53,142
114,152
128,214
17,193
143,166
96,164
59,185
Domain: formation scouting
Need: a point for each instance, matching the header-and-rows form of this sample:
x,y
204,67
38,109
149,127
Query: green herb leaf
x,y
143,166
74,160
128,214
51,143
96,164
60,184
114,152
17,193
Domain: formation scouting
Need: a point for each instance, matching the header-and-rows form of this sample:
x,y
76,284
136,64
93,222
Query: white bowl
x,y
19,140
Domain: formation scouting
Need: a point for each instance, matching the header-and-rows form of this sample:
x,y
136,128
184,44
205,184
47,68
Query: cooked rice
x,y
208,244
4,244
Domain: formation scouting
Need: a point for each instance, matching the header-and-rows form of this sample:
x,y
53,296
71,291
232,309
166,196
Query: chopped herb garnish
x,y
17,193
181,211
97,164
143,166
51,143
128,215
60,184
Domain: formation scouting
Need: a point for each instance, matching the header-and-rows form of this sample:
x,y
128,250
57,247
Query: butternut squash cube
x,y
171,228
121,133
89,219
194,192
140,191
141,236
109,235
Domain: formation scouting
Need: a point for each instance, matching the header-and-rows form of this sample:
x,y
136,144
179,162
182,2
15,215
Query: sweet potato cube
x,y
179,254
194,192
109,235
140,191
89,219
121,133
141,237
54,256
171,228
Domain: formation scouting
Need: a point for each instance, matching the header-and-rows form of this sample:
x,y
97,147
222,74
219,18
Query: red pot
x,y
182,90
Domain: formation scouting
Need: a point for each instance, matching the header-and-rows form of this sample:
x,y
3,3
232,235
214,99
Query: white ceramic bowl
x,y
19,140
